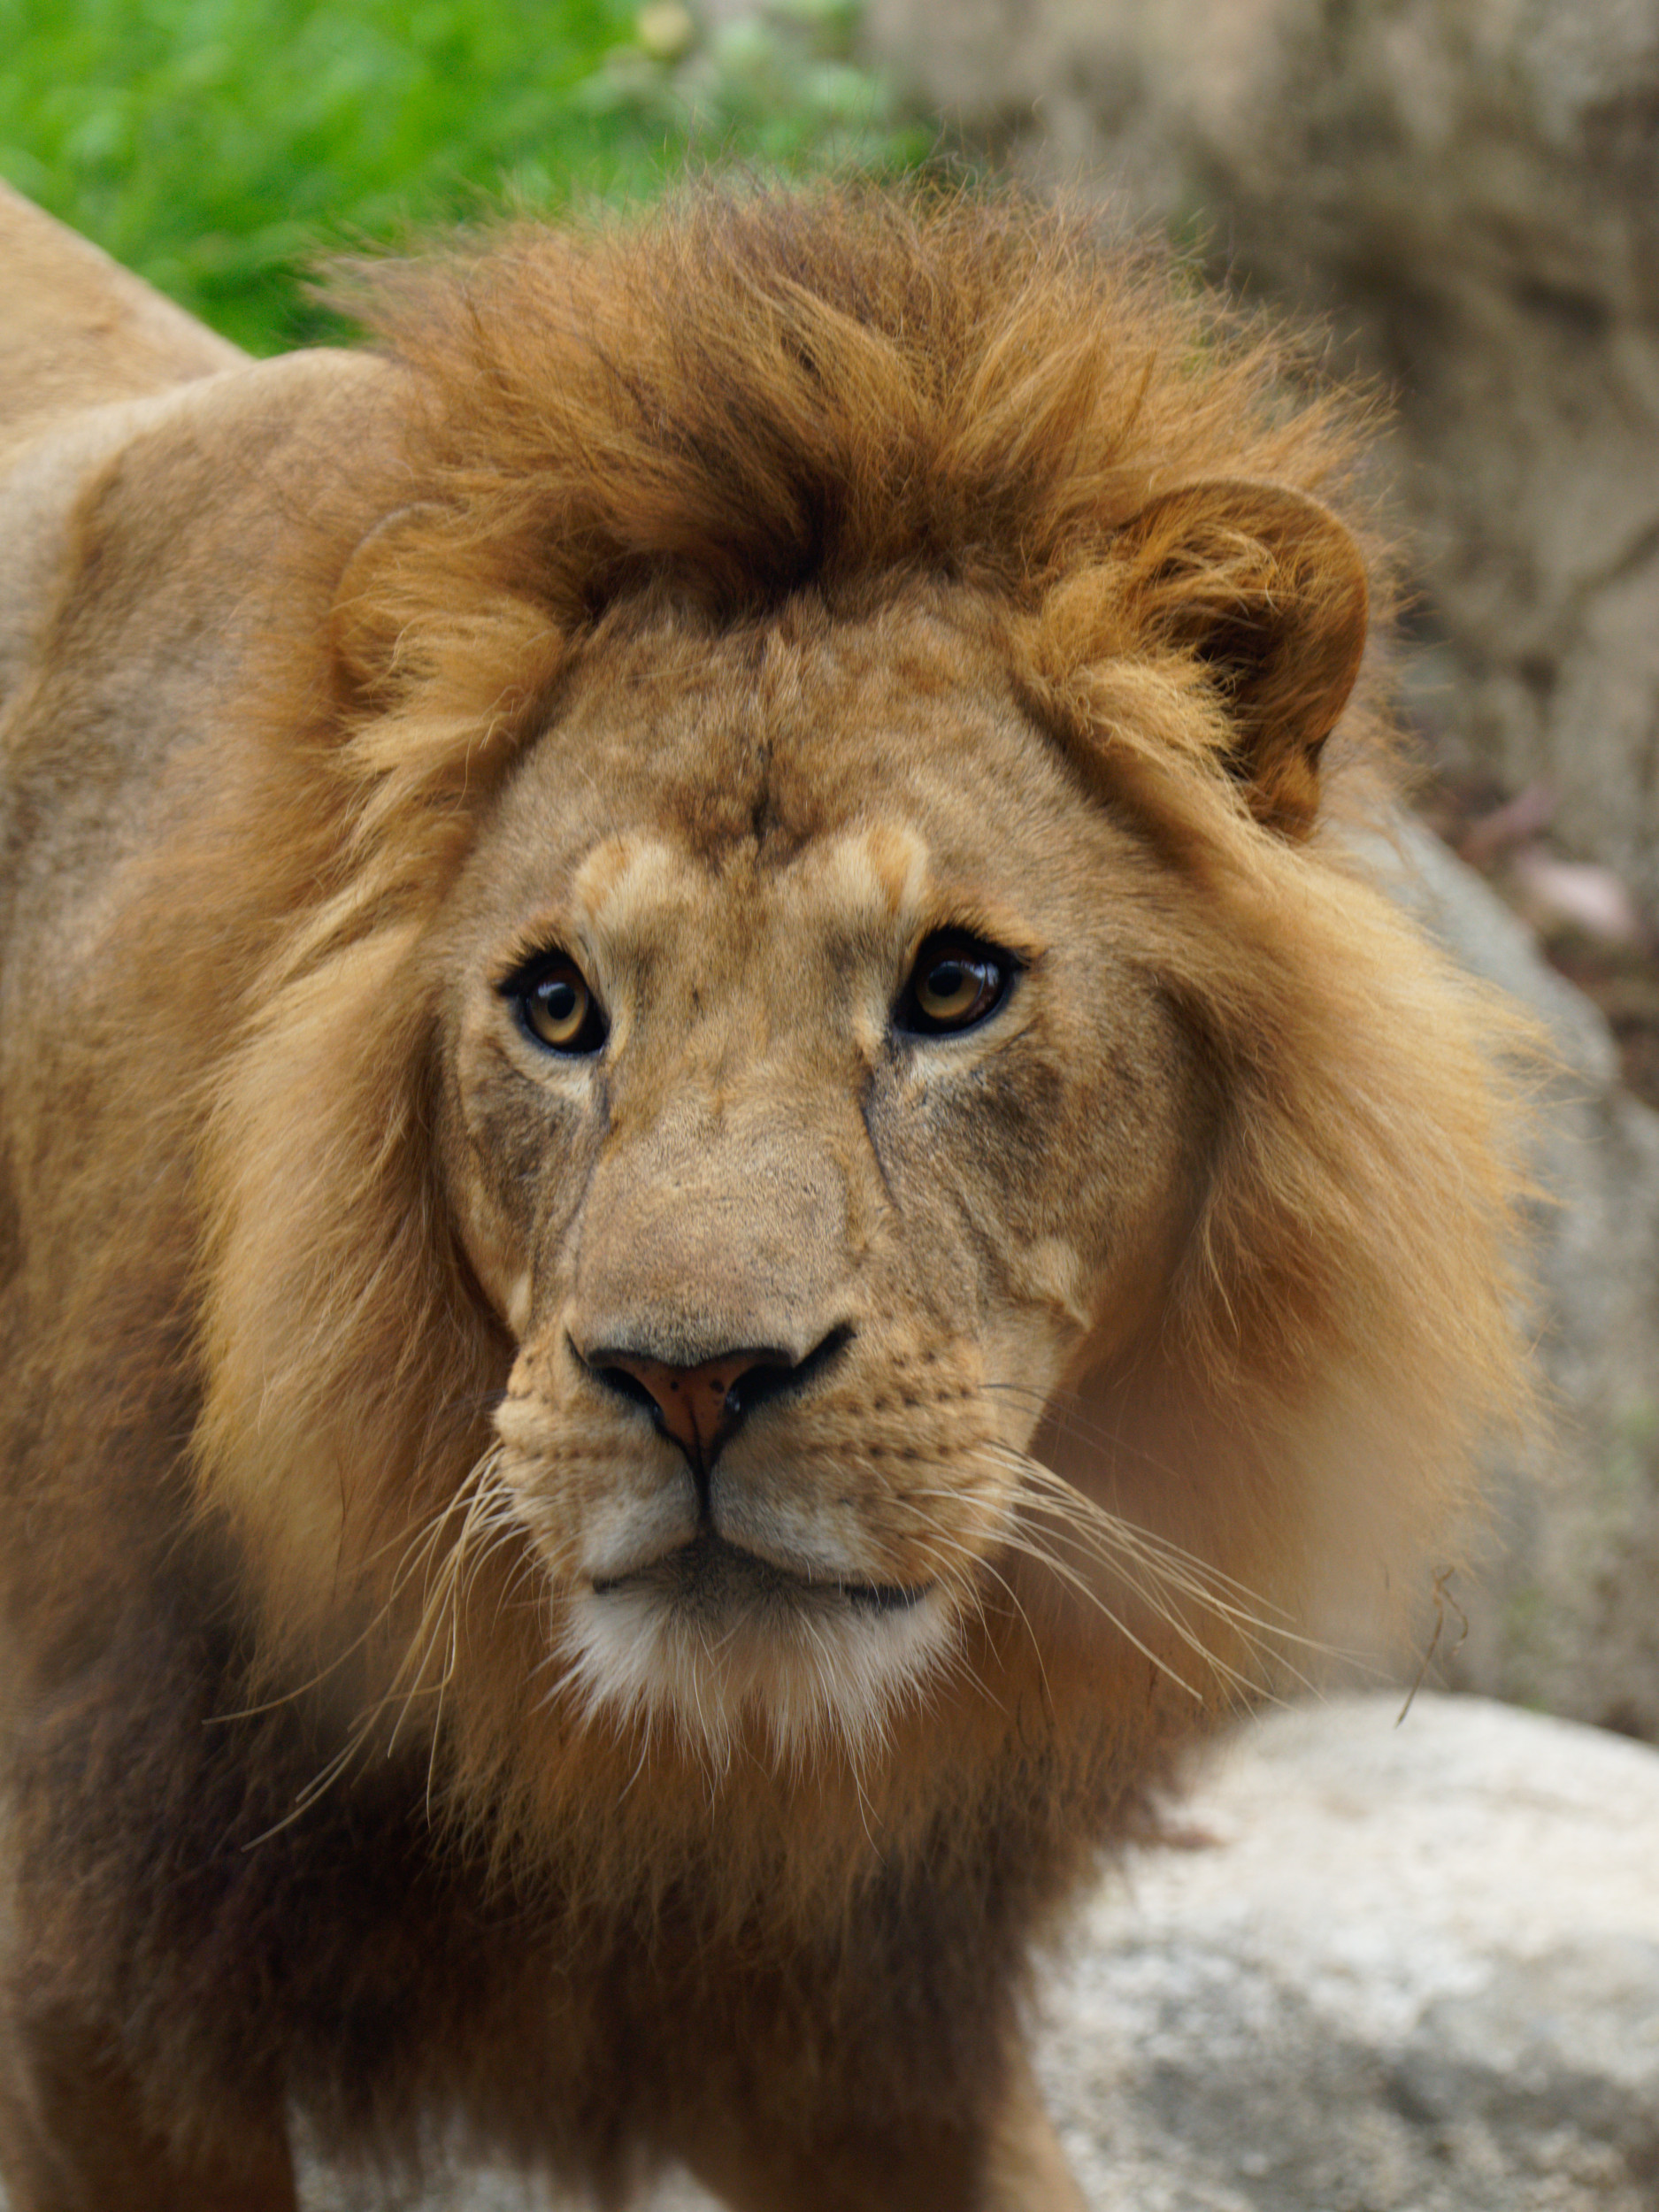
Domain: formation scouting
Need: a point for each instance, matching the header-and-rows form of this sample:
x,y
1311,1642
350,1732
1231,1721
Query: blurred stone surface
x,y
1408,1969
1395,1969
1468,191
1562,1611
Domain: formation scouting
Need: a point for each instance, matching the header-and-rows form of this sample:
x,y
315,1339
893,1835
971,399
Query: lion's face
x,y
806,1107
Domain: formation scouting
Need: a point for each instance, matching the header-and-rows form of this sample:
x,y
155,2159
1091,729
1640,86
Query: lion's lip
x,y
709,1567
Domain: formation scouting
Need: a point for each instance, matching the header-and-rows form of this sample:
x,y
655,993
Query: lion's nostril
x,y
626,1383
701,1406
777,1377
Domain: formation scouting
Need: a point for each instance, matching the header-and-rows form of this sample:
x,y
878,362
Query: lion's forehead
x,y
820,796
872,879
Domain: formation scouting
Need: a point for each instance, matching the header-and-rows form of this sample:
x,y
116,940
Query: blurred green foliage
x,y
218,147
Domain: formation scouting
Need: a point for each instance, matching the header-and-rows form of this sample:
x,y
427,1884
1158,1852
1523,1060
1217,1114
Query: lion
x,y
720,1193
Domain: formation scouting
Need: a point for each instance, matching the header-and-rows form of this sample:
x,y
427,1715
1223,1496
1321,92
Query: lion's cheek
x,y
514,1161
1045,1272
502,1272
1029,1345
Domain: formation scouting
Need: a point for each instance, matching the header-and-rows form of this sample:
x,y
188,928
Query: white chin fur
x,y
814,1675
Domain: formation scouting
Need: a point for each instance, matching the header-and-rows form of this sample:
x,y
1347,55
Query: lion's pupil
x,y
948,987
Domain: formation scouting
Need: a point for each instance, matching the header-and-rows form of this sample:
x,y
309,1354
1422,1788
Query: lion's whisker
x,y
1074,1422
1159,1581
440,1568
1159,1588
1079,1583
988,1569
1170,1562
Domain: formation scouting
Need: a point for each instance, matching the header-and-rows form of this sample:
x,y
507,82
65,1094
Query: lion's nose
x,y
700,1407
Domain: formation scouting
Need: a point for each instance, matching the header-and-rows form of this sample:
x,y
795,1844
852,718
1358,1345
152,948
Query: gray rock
x,y
1402,1970
1563,1608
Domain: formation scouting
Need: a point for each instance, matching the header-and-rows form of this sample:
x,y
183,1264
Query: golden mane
x,y
732,403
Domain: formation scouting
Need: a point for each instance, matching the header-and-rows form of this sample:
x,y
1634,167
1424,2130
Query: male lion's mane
x,y
733,402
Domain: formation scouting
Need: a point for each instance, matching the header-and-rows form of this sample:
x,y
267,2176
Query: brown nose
x,y
696,1404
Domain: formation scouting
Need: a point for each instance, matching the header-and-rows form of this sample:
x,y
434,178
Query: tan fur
x,y
398,1732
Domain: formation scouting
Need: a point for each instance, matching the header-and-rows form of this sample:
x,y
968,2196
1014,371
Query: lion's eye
x,y
557,1006
957,983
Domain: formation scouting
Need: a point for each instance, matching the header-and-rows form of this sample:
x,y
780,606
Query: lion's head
x,y
833,1160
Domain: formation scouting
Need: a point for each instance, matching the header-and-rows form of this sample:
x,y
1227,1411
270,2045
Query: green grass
x,y
218,147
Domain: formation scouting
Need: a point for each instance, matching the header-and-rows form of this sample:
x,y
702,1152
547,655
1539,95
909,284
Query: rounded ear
x,y
1268,590
372,609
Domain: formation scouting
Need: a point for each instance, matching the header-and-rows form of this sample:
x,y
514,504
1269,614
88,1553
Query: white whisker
x,y
445,1575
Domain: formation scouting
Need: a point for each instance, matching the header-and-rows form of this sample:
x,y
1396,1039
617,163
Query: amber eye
x,y
957,983
557,1006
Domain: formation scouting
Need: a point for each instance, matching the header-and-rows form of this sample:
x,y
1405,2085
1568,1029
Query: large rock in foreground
x,y
1399,1969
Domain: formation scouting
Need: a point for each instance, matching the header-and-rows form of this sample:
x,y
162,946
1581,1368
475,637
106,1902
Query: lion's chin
x,y
724,1646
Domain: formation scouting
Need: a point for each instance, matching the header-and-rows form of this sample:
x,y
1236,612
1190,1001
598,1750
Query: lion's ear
x,y
372,606
1268,588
